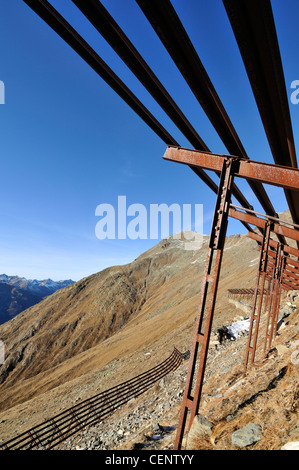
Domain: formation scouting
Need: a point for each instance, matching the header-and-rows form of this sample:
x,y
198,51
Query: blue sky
x,y
69,143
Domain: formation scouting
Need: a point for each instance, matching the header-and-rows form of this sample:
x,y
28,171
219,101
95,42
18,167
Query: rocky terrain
x,y
116,324
258,411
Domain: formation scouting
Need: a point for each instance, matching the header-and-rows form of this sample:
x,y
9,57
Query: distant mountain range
x,y
18,293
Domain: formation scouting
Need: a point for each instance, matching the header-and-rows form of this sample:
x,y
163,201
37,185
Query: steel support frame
x,y
274,299
273,244
276,175
259,289
288,273
173,35
248,169
254,27
206,309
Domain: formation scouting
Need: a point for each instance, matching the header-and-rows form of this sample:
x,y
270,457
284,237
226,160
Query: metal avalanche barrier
x,y
93,410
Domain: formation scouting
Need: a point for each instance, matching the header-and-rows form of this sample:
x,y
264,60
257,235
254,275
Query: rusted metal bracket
x,y
192,393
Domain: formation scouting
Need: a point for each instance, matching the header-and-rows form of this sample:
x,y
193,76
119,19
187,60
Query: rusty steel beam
x,y
254,28
175,39
287,270
284,285
290,276
284,278
105,24
269,310
290,271
51,16
290,267
110,30
293,262
258,222
48,13
272,243
276,175
274,299
204,318
242,291
257,306
267,216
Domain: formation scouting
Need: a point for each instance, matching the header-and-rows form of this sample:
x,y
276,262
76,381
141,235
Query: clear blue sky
x,y
69,143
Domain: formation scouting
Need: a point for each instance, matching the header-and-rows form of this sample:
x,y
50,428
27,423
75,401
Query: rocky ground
x,y
258,411
55,356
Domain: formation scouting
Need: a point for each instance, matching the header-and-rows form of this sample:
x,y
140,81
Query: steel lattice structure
x,y
253,25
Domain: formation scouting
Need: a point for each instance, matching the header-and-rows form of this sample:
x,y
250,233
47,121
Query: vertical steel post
x,y
259,289
280,268
191,399
274,293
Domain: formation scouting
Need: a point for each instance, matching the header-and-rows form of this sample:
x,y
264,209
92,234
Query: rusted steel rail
x,y
176,40
254,28
55,430
58,23
242,291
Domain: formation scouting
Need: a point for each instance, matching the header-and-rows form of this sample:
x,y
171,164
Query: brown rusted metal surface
x,y
200,345
53,18
173,35
241,291
288,273
253,24
260,286
93,410
284,177
267,216
258,222
272,306
272,243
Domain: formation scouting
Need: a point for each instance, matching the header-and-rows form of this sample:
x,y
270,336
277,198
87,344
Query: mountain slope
x,y
14,300
116,313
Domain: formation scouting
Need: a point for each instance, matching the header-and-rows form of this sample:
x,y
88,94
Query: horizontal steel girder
x,y
284,177
272,243
258,222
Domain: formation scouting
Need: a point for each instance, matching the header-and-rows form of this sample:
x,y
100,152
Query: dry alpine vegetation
x,y
115,324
